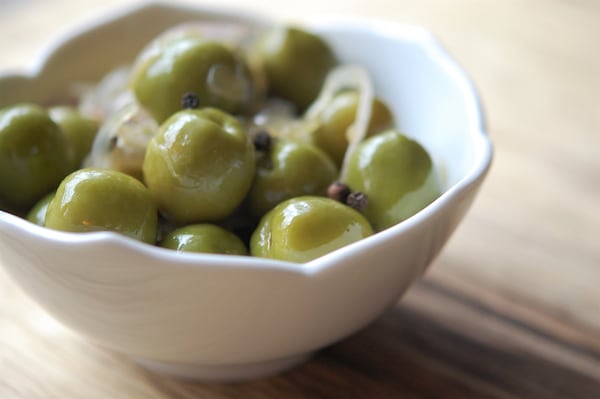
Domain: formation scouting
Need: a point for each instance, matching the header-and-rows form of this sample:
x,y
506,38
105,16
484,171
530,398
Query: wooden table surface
x,y
511,309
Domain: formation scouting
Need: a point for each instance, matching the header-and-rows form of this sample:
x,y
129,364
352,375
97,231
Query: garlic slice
x,y
122,139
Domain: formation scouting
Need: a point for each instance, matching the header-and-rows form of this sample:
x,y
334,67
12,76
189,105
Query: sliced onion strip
x,y
341,78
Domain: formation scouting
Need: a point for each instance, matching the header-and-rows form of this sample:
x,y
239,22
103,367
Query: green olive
x,y
79,130
290,169
163,40
93,199
304,228
396,173
37,214
205,237
34,156
296,63
209,70
339,115
199,166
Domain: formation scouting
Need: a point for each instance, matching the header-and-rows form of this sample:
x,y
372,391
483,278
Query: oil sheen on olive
x,y
209,69
199,166
34,156
397,175
92,199
304,228
290,169
296,63
205,238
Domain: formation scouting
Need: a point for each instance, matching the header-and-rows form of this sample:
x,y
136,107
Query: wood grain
x,y
511,309
446,339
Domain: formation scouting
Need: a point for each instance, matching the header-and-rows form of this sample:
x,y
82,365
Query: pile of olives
x,y
204,145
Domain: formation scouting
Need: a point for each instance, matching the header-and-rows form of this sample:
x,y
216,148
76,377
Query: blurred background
x,y
533,234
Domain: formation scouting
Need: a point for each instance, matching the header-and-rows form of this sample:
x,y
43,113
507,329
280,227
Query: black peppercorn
x,y
357,200
190,101
262,141
338,191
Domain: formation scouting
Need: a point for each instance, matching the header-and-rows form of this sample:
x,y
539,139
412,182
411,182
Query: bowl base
x,y
224,372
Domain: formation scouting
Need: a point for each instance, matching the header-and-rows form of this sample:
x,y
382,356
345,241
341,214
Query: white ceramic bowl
x,y
227,317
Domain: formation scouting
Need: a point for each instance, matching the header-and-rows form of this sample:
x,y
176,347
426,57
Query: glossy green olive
x,y
37,214
34,156
304,228
208,69
296,63
397,175
93,199
339,115
290,169
199,166
206,238
79,130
